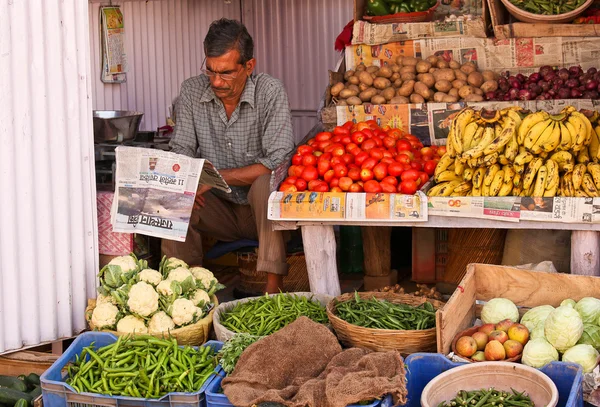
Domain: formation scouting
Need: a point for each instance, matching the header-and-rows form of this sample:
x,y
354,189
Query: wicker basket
x,y
195,334
253,281
405,342
469,332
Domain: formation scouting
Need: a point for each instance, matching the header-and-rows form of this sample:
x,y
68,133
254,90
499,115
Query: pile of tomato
x,y
362,157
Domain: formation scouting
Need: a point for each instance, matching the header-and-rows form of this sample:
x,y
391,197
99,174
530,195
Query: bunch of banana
x,y
510,153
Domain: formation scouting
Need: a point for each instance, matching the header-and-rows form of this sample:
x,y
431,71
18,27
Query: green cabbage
x,y
569,302
536,315
584,355
590,335
538,331
538,352
589,309
499,309
563,328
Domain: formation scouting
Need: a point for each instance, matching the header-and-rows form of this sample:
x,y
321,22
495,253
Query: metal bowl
x,y
116,125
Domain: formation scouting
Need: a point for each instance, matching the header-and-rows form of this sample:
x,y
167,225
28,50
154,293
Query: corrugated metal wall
x,y
294,42
48,244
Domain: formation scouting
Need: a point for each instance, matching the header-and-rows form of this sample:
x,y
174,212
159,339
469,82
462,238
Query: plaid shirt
x,y
259,130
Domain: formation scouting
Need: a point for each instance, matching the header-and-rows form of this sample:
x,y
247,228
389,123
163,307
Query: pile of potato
x,y
414,80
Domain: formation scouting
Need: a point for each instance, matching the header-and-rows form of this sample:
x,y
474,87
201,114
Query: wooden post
x,y
378,257
320,253
585,253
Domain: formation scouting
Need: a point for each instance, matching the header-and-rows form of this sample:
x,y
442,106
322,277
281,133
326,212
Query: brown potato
x,y
399,60
423,90
442,64
406,89
428,79
336,89
466,91
373,75
395,68
408,69
388,93
361,67
416,98
348,74
354,80
397,83
378,100
342,102
366,78
399,100
366,95
450,99
347,93
444,74
372,69
353,101
433,60
489,76
395,76
439,96
384,72
408,77
354,88
382,83
460,75
443,86
478,91
453,64
475,79
423,66
363,86
457,83
453,92
408,61
468,67
489,86
432,70
473,98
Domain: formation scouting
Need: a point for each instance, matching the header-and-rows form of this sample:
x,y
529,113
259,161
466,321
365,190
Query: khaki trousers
x,y
227,221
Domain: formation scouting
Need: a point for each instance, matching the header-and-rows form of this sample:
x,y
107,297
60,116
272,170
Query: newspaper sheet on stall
x,y
155,191
561,209
495,208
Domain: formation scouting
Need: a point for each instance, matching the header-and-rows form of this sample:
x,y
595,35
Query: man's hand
x,y
199,201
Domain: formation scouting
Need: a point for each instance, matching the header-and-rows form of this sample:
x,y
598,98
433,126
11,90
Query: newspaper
x,y
559,209
155,191
515,54
340,206
114,59
496,208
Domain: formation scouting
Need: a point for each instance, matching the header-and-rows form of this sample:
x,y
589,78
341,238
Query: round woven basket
x,y
405,342
195,334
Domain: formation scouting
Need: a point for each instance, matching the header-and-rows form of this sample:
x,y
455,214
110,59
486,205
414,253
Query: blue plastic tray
x,y
423,367
57,393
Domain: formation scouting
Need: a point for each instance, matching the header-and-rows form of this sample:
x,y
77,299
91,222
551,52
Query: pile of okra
x,y
489,398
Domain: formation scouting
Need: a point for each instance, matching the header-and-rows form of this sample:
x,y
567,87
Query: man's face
x,y
227,76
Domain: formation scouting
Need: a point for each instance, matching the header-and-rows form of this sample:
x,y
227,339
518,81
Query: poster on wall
x,y
113,57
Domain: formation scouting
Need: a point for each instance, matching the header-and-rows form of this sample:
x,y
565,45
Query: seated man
x,y
241,122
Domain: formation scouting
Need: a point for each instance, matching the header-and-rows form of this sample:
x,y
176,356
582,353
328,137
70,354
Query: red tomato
x,y
322,145
403,158
358,137
334,182
441,150
388,188
395,169
424,178
290,180
323,167
376,153
328,176
367,132
351,146
427,152
390,180
345,183
322,187
366,174
311,141
301,184
304,149
348,158
336,139
380,171
325,157
429,167
408,187
368,144
346,140
409,175
378,141
310,173
295,170
372,186
297,159
286,187
348,125
369,163
403,145
387,160
356,187
336,189
309,160
341,131
340,170
354,174
361,157
323,136
417,165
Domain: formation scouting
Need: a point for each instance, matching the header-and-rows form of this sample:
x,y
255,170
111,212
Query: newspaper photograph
x,y
155,191
561,209
494,208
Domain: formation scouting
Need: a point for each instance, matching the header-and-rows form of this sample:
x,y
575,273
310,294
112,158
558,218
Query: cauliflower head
x,y
150,276
143,299
198,272
164,288
184,311
131,324
160,322
174,262
105,315
198,296
127,263
179,274
103,299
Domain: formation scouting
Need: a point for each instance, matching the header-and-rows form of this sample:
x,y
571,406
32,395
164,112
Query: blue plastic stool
x,y
222,248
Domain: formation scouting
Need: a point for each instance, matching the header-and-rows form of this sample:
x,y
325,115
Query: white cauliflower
x,y
164,288
150,276
179,274
143,299
104,315
131,324
184,311
104,299
127,263
200,295
160,322
175,262
205,276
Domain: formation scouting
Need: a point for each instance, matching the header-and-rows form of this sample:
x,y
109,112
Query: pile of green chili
x,y
266,315
548,7
143,367
489,398
381,314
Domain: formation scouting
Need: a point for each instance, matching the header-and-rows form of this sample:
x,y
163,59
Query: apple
x,y
487,328
466,346
504,325
519,333
499,336
513,348
481,339
494,351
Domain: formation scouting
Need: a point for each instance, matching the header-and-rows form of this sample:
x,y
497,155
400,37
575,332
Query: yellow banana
x,y
586,123
478,177
583,157
532,169
478,136
528,122
564,159
443,189
477,151
500,140
460,122
513,113
485,190
549,193
443,164
520,169
468,174
447,175
523,158
588,185
463,188
490,173
580,131
594,170
506,189
512,148
435,190
545,137
489,160
459,167
503,160
568,189
565,138
553,174
581,194
578,172
517,180
517,190
509,173
540,182
449,143
594,145
469,134
497,183
476,191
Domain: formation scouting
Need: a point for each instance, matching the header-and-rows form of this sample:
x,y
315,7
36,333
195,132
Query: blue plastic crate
x,y
57,393
423,367
216,399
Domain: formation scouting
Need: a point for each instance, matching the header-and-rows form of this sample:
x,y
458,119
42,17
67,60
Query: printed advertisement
x,y
114,59
495,208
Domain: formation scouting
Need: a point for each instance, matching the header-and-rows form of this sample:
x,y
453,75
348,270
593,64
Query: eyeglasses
x,y
223,76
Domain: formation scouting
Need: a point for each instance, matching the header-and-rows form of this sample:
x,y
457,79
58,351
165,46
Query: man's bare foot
x,y
274,283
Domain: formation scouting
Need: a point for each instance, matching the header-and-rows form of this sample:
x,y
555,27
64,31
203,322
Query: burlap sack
x,y
224,334
304,365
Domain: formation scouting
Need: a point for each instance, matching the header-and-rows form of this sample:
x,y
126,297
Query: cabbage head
x,y
538,331
569,302
538,352
499,309
584,355
589,309
563,328
590,336
536,315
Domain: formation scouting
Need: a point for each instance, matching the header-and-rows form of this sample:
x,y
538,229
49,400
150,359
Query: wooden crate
x,y
526,289
26,362
504,29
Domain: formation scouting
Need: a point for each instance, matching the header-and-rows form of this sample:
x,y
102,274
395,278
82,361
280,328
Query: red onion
x,y
513,93
576,93
575,70
572,83
515,84
549,76
525,94
563,93
545,70
551,92
541,97
592,71
535,77
592,85
563,74
521,78
490,96
506,97
544,85
590,94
